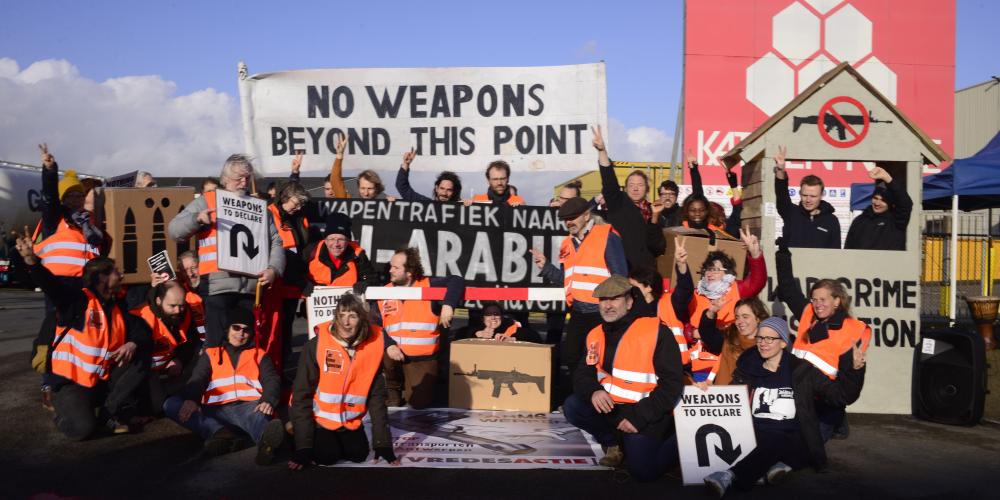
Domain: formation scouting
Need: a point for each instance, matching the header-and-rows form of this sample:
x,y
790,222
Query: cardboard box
x,y
698,245
137,221
492,375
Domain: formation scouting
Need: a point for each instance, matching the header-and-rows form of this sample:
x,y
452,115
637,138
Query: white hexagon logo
x,y
880,76
773,81
848,35
796,32
770,83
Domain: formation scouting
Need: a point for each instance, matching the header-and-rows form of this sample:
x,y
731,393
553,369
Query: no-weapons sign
x,y
241,225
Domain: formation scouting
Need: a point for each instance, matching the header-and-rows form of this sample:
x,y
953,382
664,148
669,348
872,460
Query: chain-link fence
x,y
977,266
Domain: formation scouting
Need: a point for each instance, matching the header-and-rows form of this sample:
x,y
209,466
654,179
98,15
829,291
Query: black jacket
x,y
304,388
652,416
809,385
366,272
803,229
201,376
885,231
643,241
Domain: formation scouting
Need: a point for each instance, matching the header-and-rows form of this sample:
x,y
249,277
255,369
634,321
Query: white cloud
x,y
638,143
588,50
115,126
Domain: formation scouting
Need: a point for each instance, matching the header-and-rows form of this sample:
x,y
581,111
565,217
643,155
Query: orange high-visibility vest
x,y
197,308
82,355
826,353
584,268
66,251
511,330
411,323
703,361
632,375
164,342
208,261
725,316
712,227
485,198
287,236
665,313
341,398
321,273
233,383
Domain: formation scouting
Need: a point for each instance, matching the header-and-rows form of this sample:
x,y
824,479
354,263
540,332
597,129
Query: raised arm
x,y
789,290
783,200
403,179
337,171
697,189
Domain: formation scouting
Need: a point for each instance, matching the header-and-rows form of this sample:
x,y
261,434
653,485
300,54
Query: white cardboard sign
x,y
714,430
242,237
321,305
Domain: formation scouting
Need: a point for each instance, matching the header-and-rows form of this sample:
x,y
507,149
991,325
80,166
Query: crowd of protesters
x,y
191,348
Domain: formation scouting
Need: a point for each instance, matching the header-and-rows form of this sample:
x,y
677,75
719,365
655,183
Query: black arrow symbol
x,y
727,453
234,240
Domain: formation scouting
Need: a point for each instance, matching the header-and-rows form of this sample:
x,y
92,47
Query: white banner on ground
x,y
321,305
714,429
449,438
460,119
242,240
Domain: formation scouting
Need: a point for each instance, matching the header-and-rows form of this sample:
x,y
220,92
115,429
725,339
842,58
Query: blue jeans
x,y
646,458
210,419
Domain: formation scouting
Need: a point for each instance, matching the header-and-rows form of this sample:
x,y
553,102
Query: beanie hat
x,y
70,182
240,316
779,325
338,223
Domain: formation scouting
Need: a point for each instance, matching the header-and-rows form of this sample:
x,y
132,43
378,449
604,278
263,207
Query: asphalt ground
x,y
886,457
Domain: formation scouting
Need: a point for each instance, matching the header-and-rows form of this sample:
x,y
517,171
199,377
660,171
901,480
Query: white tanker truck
x,y
21,195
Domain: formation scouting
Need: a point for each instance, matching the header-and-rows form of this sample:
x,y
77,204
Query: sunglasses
x,y
239,328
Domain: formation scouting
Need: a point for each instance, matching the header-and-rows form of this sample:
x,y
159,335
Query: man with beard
x,y
416,326
498,176
174,346
627,385
447,187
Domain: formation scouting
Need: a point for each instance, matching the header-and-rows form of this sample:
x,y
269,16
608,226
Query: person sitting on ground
x,y
827,331
652,300
339,381
447,186
628,211
101,353
237,386
174,343
498,176
882,226
812,223
730,342
188,277
628,411
719,282
145,179
784,392
495,325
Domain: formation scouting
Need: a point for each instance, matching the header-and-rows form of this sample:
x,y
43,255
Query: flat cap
x,y
612,287
572,208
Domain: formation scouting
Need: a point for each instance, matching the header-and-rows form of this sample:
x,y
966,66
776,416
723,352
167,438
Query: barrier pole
x,y
953,265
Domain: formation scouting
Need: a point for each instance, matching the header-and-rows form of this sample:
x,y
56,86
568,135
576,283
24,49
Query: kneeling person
x,y
237,386
339,380
627,385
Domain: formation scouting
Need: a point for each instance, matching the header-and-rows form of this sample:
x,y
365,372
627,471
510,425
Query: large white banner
x,y
535,118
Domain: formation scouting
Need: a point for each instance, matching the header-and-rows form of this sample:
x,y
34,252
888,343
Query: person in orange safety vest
x,y
630,381
175,341
339,381
235,385
498,176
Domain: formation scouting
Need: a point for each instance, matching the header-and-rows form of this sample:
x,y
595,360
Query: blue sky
x,y
186,47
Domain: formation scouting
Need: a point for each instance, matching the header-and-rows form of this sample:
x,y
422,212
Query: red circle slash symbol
x,y
830,119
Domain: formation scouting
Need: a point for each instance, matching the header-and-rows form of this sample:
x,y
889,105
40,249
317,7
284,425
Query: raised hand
x,y
539,257
751,241
690,160
680,254
598,139
408,158
879,174
341,145
48,161
297,161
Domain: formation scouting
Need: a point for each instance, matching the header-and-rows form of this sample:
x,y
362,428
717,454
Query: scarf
x,y
645,208
715,289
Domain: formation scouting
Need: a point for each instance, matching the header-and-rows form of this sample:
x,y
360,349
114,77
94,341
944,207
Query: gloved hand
x,y
301,458
360,287
731,177
782,246
385,453
38,360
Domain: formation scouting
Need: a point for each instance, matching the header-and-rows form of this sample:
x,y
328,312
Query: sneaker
x,y
613,457
220,443
47,399
116,426
778,473
274,435
720,481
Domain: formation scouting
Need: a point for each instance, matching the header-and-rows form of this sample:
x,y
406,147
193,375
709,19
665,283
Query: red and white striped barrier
x,y
428,293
